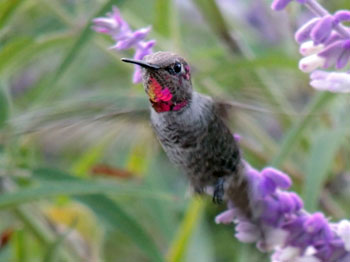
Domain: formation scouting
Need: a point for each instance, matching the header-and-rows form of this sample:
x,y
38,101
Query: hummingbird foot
x,y
219,191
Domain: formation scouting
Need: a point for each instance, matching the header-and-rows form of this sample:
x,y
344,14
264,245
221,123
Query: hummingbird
x,y
191,131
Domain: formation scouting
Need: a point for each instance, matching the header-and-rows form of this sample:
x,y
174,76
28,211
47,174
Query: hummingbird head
x,y
166,79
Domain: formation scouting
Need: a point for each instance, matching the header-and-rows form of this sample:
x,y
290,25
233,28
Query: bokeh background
x,y
82,177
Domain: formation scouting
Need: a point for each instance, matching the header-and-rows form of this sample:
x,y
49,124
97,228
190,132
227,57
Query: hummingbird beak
x,y
140,63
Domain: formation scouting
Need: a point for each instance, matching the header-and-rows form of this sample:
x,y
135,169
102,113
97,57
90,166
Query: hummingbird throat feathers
x,y
161,97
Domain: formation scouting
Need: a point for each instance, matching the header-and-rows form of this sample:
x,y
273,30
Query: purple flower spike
x,y
115,26
280,224
329,45
322,30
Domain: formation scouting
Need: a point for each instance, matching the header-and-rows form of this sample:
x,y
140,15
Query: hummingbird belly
x,y
201,145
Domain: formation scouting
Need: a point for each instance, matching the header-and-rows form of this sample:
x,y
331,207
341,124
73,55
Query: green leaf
x,y
295,133
179,247
82,39
11,51
322,156
109,212
7,9
50,189
163,16
4,106
22,49
216,21
115,217
52,252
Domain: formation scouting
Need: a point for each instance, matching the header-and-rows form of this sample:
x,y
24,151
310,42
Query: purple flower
x,y
325,43
331,81
322,29
304,31
115,26
279,223
144,48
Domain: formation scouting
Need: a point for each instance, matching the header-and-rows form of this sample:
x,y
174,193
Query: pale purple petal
x,y
333,81
346,258
225,217
137,76
303,32
322,30
132,39
309,48
315,223
343,59
343,231
332,53
278,5
281,179
267,186
311,62
333,38
143,49
342,15
247,232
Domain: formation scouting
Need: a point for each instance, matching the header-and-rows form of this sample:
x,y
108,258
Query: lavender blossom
x,y
115,26
325,43
280,224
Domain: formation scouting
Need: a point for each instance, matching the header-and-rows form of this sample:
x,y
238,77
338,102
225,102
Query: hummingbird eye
x,y
177,67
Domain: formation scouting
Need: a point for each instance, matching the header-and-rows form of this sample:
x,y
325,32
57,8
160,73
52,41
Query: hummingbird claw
x,y
219,191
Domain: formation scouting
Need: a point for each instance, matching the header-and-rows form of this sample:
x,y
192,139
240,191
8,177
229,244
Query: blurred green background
x,y
82,177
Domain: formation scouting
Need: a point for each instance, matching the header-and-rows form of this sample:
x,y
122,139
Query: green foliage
x,y
67,103
4,106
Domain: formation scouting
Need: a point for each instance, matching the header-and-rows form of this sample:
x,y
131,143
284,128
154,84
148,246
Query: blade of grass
x,y
115,217
323,152
216,21
52,252
12,50
179,247
7,9
162,19
42,233
49,189
4,105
